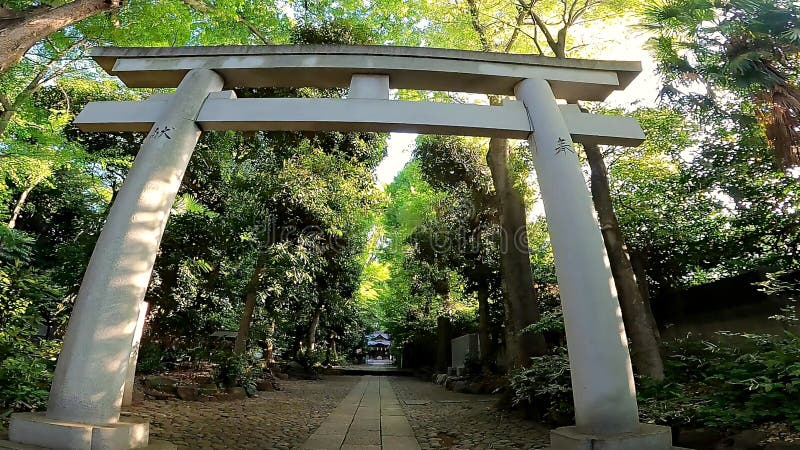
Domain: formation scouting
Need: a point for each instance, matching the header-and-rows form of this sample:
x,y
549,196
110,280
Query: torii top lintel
x,y
330,66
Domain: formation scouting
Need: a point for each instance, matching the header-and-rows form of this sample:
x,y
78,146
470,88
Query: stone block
x,y
137,396
782,446
37,430
747,440
366,437
162,383
463,346
459,386
475,388
400,443
236,393
395,426
700,438
647,437
265,386
208,389
325,442
153,445
204,380
188,393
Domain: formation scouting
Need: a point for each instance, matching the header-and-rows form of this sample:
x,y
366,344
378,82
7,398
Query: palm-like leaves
x,y
746,46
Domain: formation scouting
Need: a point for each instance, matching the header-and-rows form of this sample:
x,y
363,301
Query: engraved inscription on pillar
x,y
562,146
161,132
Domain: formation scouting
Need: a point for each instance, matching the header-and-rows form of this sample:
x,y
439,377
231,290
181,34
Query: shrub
x,y
544,388
238,370
150,359
756,380
26,369
26,361
311,360
472,364
733,384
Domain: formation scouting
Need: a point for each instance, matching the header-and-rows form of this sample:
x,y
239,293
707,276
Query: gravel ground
x,y
274,420
445,419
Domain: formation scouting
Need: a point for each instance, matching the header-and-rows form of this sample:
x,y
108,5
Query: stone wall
x,y
463,346
732,304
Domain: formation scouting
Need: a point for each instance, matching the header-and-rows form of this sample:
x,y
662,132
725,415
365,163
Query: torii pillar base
x,y
647,437
35,429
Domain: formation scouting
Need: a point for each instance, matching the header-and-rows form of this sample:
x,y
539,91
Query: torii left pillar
x,y
84,407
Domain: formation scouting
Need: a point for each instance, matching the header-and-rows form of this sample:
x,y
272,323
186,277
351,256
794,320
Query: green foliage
x,y
550,321
150,359
310,359
238,370
736,383
544,388
786,287
472,364
26,360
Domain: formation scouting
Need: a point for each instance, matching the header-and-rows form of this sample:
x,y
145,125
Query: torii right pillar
x,y
606,413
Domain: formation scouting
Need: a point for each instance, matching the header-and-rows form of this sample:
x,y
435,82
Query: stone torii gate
x,y
87,391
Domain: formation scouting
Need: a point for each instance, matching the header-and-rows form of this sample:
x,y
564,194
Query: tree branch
x,y
515,33
476,25
5,102
202,7
551,42
254,30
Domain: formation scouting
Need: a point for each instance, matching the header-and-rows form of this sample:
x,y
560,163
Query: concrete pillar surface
x,y
602,377
127,392
369,86
91,370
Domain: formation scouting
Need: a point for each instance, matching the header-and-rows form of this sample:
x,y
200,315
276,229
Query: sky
x,y
643,91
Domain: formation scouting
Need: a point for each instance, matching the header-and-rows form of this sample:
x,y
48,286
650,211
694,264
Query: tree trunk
x,y
483,327
312,327
251,293
5,119
636,314
515,259
270,352
442,344
639,263
20,203
18,35
509,337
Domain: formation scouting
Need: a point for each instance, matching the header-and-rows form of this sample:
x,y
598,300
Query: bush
x,y
311,360
545,389
26,361
472,364
238,370
711,385
756,380
26,369
150,359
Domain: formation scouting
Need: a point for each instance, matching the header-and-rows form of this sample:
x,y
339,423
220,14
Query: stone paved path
x,y
369,418
444,419
275,420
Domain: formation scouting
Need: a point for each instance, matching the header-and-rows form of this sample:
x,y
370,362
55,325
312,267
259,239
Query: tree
x,y
636,313
547,27
749,47
23,24
471,235
517,276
